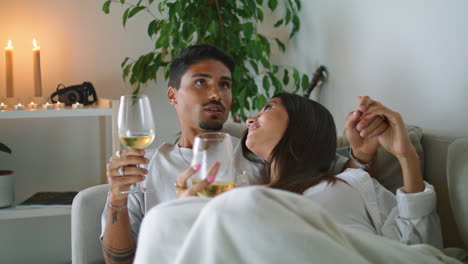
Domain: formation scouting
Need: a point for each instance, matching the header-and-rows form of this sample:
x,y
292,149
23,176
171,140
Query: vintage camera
x,y
77,93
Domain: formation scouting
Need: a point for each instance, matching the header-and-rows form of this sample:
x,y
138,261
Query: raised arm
x,y
395,140
118,243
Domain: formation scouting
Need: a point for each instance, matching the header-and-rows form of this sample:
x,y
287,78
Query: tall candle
x,y
37,69
9,69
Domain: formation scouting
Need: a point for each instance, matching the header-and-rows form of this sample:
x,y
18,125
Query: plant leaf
x,y
126,71
162,41
124,62
288,16
272,4
125,16
254,66
296,25
305,82
275,69
161,7
135,11
276,83
152,27
298,4
281,45
5,148
297,77
105,6
261,101
266,83
248,30
285,77
278,23
260,14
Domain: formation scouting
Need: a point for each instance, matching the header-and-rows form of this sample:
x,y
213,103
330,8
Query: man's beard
x,y
211,126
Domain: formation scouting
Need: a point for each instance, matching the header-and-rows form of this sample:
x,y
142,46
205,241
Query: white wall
x,y
410,55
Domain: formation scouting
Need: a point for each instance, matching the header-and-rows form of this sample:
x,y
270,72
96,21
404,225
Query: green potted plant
x,y
229,24
6,182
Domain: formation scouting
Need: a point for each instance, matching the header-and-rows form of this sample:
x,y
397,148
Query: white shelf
x,y
29,212
102,108
55,113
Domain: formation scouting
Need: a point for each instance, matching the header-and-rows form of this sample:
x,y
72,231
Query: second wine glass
x,y
209,148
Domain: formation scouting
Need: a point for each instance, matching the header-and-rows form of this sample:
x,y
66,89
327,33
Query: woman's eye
x,y
200,82
267,107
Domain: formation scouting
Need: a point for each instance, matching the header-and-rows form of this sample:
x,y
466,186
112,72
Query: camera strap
x,y
56,93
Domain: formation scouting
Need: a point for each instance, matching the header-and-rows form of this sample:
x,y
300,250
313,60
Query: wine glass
x,y
136,127
209,148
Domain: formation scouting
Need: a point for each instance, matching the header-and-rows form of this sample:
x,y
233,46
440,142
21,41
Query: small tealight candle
x,y
77,105
47,106
18,107
3,106
59,105
32,106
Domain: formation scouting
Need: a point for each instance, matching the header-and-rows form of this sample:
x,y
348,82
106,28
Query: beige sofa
x,y
445,167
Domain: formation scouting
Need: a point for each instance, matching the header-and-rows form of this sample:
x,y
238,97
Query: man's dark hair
x,y
194,54
307,149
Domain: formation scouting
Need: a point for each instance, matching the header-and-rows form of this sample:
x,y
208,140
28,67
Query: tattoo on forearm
x,y
117,254
114,217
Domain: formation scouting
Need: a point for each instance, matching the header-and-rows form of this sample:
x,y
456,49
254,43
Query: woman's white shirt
x,y
361,203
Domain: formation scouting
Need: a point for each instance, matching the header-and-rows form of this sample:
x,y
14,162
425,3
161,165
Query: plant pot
x,y
7,188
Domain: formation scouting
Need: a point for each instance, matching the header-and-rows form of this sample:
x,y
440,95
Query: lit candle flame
x,y
2,104
35,46
10,46
19,104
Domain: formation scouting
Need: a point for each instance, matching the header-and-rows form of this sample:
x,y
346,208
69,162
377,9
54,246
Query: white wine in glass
x,y
208,149
136,126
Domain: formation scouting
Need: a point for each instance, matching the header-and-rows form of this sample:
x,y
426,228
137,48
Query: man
x,y
200,82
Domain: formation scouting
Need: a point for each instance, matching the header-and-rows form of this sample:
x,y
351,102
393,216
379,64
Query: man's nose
x,y
214,93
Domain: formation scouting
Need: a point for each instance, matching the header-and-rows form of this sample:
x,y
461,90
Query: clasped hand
x,y
372,125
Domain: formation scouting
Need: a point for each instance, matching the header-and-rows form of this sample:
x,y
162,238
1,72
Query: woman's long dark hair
x,y
307,149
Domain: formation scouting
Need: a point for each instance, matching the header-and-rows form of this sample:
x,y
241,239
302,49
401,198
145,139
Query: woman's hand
x,y
361,130
181,185
122,172
395,139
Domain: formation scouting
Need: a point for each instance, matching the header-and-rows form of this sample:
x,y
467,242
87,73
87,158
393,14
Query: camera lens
x,y
72,97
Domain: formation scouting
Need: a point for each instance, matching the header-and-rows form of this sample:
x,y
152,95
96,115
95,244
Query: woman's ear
x,y
172,95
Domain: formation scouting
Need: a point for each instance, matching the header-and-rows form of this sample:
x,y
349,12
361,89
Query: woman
x,y
296,138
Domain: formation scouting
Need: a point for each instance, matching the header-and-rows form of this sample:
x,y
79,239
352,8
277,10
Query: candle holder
x,y
3,107
59,106
18,107
32,106
77,105
47,106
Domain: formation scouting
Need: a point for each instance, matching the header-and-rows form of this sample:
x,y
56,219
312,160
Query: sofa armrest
x,y
86,224
457,180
